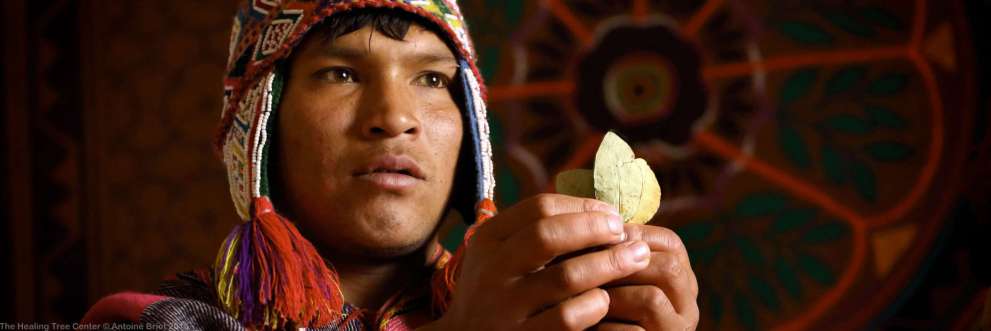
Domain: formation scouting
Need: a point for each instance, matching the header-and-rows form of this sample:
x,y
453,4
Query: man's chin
x,y
387,252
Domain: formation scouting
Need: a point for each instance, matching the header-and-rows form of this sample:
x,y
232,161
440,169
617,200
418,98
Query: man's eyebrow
x,y
432,58
349,53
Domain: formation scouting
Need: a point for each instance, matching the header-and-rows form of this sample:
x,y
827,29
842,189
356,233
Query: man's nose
x,y
390,111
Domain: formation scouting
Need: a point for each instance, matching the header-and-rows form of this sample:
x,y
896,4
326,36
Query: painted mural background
x,y
825,162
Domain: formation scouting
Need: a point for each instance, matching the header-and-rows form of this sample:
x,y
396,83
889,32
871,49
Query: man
x,y
363,122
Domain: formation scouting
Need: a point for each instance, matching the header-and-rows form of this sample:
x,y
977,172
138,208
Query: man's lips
x,y
394,172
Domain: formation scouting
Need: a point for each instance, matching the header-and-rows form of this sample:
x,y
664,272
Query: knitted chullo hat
x,y
266,273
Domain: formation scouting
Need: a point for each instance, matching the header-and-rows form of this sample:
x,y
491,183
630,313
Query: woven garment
x,y
188,302
267,275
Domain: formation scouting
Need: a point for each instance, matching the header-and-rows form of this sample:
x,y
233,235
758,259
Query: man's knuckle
x,y
655,300
564,317
544,204
672,268
694,286
671,238
593,224
590,204
635,231
544,237
694,316
617,259
570,278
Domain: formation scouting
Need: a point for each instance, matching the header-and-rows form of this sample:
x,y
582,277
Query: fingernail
x,y
616,224
638,251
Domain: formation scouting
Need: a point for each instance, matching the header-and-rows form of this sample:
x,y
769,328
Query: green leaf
x,y
825,233
889,151
788,279
881,17
750,251
745,312
832,164
797,85
849,24
884,117
792,218
816,269
844,79
793,146
888,84
760,204
696,231
765,293
804,33
846,123
864,180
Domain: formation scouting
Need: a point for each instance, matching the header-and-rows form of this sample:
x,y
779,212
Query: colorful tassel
x,y
442,284
269,275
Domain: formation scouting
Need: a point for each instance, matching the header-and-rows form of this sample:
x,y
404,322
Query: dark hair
x,y
391,22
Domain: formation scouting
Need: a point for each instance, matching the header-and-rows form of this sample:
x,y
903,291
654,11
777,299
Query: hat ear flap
x,y
477,206
266,273
468,181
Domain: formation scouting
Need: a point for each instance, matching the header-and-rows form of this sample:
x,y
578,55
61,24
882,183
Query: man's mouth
x,y
391,172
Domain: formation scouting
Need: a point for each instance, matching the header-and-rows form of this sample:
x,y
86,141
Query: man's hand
x,y
507,283
659,297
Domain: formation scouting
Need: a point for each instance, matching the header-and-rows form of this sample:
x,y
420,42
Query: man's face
x,y
368,139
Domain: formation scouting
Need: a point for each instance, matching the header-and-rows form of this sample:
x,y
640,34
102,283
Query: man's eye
x,y
338,75
433,80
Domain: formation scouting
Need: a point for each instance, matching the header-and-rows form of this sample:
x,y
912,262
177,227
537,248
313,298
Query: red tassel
x,y
293,280
444,279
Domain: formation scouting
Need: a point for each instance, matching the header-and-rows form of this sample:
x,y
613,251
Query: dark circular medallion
x,y
642,80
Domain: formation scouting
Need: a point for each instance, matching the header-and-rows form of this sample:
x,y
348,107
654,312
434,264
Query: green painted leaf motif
x,y
804,33
788,279
760,204
888,84
846,123
832,164
889,151
696,231
792,218
797,85
881,17
765,293
884,117
864,180
745,312
849,24
793,146
844,80
750,251
823,233
816,269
